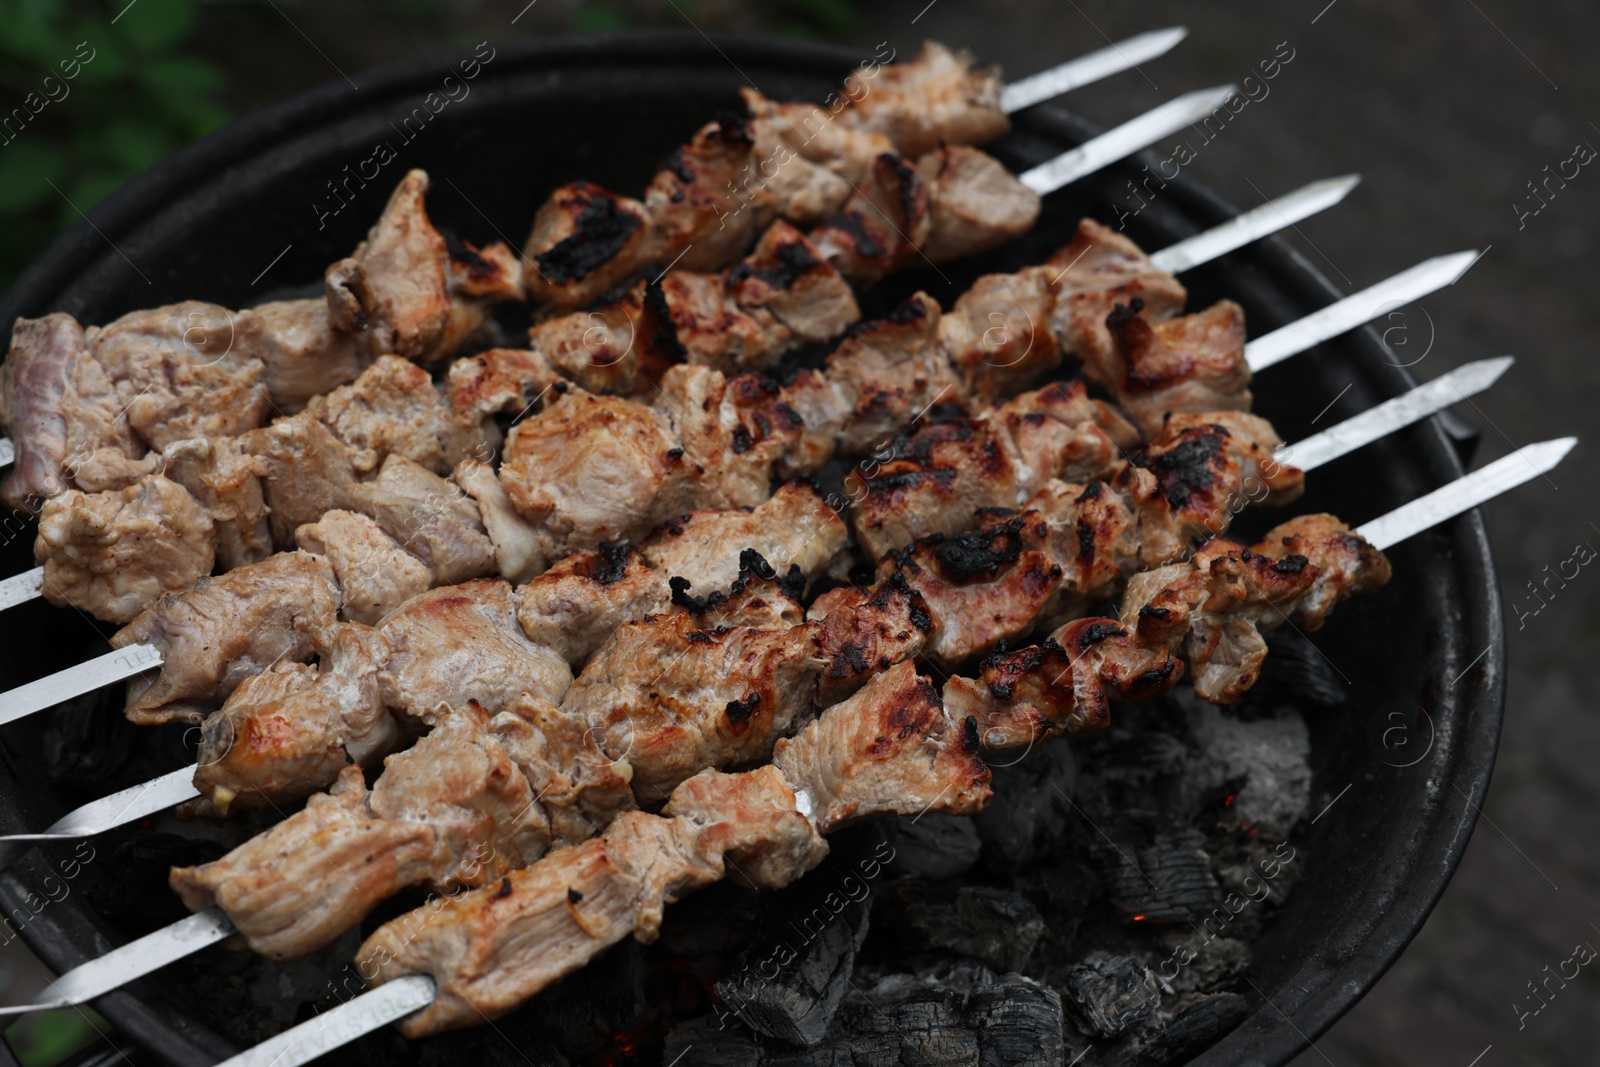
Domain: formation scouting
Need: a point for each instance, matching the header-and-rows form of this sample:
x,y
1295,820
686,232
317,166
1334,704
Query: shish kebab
x,y
408,290
154,377
45,349
91,539
1072,545
488,957
669,726
631,508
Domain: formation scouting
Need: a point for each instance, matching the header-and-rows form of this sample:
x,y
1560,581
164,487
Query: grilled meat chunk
x,y
394,409
939,96
374,573
302,355
113,554
573,607
622,347
587,469
673,698
289,731
501,381
452,811
227,629
430,517
975,202
882,227
519,546
227,483
395,288
585,242
893,747
180,373
864,631
794,528
1191,363
61,407
1090,276
460,643
943,475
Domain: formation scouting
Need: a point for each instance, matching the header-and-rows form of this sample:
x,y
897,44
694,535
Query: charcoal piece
x,y
935,845
1265,762
1296,672
1030,808
1019,1024
132,888
1198,1024
719,919
87,740
585,1011
789,981
1108,995
705,1043
994,926
1166,880
927,1028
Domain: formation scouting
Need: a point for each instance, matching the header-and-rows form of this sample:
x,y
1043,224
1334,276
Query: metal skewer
x,y
1076,73
378,1007
141,801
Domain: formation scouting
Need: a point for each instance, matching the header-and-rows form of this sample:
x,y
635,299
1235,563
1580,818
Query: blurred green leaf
x,y
153,24
26,170
595,17
135,144
89,190
103,59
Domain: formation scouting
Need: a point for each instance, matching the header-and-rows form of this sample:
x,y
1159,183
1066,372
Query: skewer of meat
x,y
93,545
409,290
846,168
894,747
659,703
93,408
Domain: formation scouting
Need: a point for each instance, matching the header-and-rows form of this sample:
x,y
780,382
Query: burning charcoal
x,y
926,1027
934,845
1031,805
789,981
1109,994
1167,880
588,1009
1267,757
1217,961
1296,673
994,926
704,1043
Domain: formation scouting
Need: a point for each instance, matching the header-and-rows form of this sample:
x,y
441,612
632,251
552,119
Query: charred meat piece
x,y
460,643
672,697
1090,276
862,632
795,528
573,607
374,573
501,381
227,629
289,731
113,554
882,227
942,475
1187,364
585,242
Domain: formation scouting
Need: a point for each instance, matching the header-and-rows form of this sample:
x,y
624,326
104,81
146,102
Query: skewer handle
x,y
21,588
